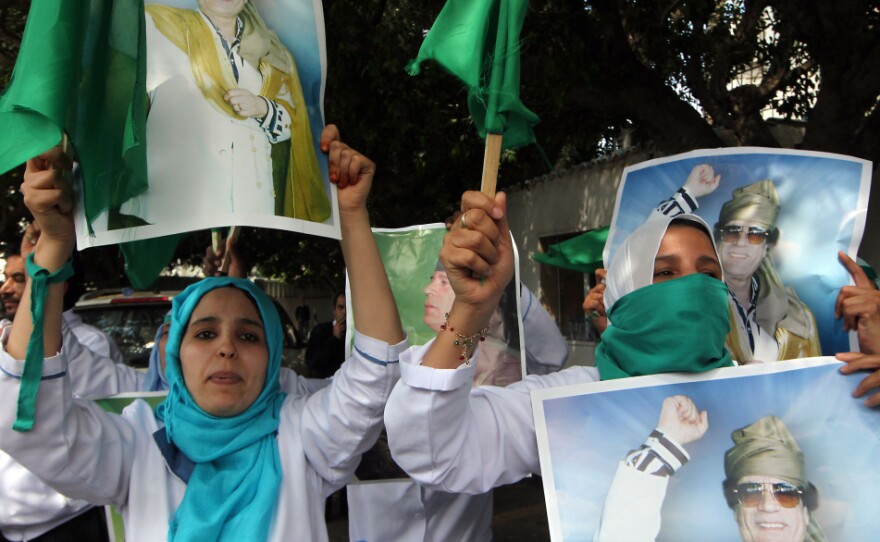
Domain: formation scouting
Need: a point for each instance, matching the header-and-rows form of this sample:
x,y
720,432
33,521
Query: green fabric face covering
x,y
674,326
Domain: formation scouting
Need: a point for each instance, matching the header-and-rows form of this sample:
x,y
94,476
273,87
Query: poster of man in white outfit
x,y
234,116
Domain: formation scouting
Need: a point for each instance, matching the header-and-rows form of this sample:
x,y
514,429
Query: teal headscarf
x,y
155,379
233,490
674,326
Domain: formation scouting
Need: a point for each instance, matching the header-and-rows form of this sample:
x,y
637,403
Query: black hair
x,y
339,293
76,284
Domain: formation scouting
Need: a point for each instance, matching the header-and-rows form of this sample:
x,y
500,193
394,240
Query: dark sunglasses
x,y
755,234
750,494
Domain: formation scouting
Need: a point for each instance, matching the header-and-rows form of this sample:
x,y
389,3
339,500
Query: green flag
x,y
582,253
81,70
145,259
478,42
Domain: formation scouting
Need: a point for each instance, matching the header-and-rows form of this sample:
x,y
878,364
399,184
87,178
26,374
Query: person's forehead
x,y
212,301
680,236
14,264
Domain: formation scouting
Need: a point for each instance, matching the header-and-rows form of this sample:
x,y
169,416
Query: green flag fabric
x,y
582,253
145,259
81,70
478,42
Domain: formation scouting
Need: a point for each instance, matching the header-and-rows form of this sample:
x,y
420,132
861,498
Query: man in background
x,y
325,351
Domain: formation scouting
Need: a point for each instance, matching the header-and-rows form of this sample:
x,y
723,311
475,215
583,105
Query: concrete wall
x,y
576,200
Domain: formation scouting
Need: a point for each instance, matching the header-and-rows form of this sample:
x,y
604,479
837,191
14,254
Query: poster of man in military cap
x,y
779,218
744,453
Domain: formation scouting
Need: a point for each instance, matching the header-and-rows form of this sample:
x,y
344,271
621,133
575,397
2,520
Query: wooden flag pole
x,y
491,159
215,240
232,238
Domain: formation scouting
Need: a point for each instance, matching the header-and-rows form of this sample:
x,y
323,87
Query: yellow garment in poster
x,y
299,190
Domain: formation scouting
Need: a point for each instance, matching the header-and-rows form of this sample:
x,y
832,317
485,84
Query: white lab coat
x,y
403,511
90,454
453,438
28,507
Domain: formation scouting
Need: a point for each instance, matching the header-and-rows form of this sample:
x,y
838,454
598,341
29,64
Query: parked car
x,y
131,317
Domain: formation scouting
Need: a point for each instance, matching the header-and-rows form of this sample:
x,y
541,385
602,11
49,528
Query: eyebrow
x,y
667,258
708,259
675,258
214,319
250,322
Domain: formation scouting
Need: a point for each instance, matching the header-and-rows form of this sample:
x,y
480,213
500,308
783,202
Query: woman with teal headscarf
x,y
668,309
228,455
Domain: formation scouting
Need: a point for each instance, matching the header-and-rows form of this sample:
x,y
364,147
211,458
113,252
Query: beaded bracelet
x,y
464,341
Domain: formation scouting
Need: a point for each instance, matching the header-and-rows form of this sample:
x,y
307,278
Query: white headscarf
x,y
632,266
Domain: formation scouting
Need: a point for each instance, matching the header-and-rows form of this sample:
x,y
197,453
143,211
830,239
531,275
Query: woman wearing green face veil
x,y
228,455
660,325
452,438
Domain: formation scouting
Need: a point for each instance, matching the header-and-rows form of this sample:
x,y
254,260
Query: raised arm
x,y
632,505
442,432
478,256
701,181
48,198
344,419
375,312
75,447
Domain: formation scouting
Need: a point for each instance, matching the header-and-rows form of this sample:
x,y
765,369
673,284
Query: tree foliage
x,y
671,73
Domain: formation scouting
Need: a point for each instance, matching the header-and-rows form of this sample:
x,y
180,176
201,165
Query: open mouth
x,y
224,378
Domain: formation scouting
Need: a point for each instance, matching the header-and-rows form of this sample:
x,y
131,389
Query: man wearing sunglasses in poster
x,y
768,321
765,483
